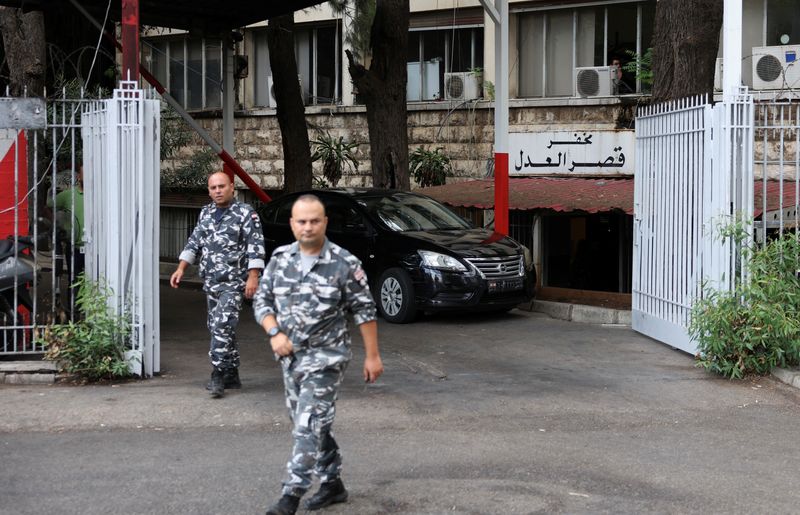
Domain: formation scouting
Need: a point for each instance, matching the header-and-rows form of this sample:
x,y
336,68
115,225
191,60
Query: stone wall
x,y
466,133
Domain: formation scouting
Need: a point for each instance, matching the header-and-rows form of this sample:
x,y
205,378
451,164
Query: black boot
x,y
328,493
286,505
217,383
231,380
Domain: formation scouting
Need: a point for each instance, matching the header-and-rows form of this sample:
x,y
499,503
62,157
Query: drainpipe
x,y
223,154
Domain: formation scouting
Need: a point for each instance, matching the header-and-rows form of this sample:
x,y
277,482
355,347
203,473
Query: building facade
x,y
572,106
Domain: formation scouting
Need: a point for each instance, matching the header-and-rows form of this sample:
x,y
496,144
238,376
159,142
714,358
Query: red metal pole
x,y
501,192
130,40
229,163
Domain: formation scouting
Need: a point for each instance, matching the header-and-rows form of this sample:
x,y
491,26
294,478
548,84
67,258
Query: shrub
x,y
755,326
337,155
92,347
429,167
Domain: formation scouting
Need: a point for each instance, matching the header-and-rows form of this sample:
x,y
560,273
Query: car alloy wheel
x,y
396,296
391,296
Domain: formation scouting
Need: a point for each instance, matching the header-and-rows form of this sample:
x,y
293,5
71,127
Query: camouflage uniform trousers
x,y
311,399
223,317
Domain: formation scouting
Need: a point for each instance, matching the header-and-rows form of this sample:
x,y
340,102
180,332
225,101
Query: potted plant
x,y
430,167
337,155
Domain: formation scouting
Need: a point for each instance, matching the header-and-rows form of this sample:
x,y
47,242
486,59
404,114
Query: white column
x,y
731,47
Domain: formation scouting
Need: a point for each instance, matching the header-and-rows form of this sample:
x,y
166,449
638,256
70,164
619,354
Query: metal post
x,y
227,94
499,15
130,40
226,158
501,121
731,48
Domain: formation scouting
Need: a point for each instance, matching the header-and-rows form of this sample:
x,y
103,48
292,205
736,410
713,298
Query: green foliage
x,y
641,66
337,155
429,167
92,347
318,183
489,87
755,326
191,174
361,13
175,133
188,174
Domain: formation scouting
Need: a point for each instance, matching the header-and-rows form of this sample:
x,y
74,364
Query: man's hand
x,y
175,279
373,368
281,345
251,286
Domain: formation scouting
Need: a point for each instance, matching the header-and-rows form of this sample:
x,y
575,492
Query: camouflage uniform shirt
x,y
227,249
311,308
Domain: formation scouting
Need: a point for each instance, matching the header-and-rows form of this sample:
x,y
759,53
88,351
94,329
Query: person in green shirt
x,y
69,217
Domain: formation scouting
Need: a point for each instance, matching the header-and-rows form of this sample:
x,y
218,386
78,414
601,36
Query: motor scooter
x,y
17,271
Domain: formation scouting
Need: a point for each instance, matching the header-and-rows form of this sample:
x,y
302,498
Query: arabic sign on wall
x,y
571,153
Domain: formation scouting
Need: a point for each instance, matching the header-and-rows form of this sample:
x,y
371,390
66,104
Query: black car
x,y
418,254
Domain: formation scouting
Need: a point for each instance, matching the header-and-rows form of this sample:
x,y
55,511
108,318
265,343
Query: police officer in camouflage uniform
x,y
307,289
230,245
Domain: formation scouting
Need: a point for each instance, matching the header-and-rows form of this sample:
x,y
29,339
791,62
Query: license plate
x,y
505,285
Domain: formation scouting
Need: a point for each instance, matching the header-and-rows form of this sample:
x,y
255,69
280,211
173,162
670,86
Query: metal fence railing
x,y
694,172
777,162
53,155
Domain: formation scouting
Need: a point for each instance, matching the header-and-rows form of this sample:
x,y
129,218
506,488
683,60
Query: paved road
x,y
475,414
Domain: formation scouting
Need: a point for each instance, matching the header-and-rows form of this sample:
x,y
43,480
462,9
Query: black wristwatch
x,y
273,331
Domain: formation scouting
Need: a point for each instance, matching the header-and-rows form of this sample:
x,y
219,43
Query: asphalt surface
x,y
516,413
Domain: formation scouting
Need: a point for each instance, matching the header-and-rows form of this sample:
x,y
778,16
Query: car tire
x,y
396,296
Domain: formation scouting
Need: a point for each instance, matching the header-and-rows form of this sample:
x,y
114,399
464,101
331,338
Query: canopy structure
x,y
197,16
556,194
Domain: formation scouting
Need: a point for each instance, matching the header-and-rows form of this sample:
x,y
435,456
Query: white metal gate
x,y
43,147
121,164
693,175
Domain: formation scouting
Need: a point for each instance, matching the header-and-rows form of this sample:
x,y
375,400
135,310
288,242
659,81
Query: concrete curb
x,y
788,376
27,372
582,313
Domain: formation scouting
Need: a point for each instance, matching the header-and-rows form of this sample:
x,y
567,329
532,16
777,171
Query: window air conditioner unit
x,y
461,86
271,88
718,75
776,67
595,81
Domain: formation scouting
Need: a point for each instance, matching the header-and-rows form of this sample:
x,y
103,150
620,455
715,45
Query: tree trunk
x,y
383,88
297,172
685,45
24,46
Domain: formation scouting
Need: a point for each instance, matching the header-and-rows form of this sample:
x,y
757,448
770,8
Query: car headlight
x,y
441,261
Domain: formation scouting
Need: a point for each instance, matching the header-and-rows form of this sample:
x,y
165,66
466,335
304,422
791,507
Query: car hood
x,y
468,242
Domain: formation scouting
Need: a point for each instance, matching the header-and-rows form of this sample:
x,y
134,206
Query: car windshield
x,y
413,213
